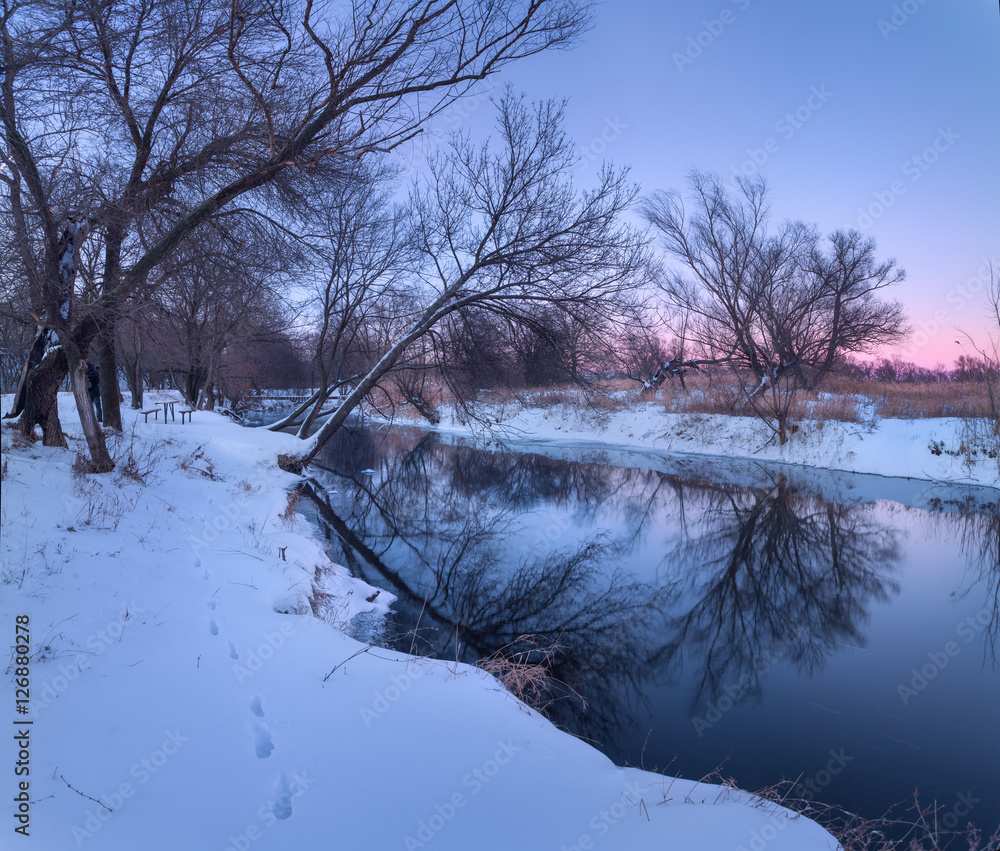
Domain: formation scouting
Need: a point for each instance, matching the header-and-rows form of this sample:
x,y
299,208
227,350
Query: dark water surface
x,y
770,622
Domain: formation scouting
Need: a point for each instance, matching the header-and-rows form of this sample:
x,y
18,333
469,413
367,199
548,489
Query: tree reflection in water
x,y
980,542
484,547
446,529
773,573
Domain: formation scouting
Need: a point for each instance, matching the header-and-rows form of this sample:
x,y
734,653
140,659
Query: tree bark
x,y
41,400
107,362
100,458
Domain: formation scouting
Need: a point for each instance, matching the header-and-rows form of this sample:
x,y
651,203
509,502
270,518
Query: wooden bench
x,y
185,414
154,411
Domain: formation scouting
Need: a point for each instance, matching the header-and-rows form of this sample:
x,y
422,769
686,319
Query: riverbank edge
x,y
929,450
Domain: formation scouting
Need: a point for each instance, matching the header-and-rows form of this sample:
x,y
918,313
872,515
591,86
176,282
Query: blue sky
x,y
857,112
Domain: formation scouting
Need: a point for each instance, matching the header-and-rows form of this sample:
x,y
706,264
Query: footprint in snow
x,y
282,807
262,740
213,627
211,604
233,654
255,706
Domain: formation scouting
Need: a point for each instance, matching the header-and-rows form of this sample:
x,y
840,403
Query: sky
x,y
883,116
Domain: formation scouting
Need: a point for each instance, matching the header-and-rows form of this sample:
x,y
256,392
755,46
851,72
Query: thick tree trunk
x,y
111,397
40,400
100,458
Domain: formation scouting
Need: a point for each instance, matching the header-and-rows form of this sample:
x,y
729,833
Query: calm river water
x,y
768,622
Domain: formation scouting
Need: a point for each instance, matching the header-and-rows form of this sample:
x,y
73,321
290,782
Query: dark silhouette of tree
x,y
778,306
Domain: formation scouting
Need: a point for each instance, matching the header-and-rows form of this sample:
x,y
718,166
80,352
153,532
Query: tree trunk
x,y
111,397
133,378
310,419
289,420
41,400
100,458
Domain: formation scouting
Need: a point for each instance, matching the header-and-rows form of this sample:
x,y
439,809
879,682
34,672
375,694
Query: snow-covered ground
x,y
922,449
181,694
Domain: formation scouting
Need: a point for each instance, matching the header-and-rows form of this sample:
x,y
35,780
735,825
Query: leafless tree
x,y
779,306
357,283
218,291
504,231
122,114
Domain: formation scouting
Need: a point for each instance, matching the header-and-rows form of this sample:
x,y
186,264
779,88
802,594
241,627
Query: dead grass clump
x,y
525,672
82,465
198,462
288,515
705,394
134,459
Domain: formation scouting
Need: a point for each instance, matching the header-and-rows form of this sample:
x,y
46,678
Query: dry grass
x,y
288,515
918,828
525,672
839,398
134,460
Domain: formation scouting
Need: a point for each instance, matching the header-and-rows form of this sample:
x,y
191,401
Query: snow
x,y
888,447
180,678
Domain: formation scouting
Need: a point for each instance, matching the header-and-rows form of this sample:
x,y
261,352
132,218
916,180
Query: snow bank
x,y
179,696
921,449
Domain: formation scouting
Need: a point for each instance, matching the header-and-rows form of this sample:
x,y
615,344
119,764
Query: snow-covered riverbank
x,y
180,697
929,449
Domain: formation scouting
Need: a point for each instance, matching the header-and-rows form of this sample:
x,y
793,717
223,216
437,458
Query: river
x,y
760,622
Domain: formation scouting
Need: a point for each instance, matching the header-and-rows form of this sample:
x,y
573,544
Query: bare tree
x,y
778,307
357,283
129,112
505,232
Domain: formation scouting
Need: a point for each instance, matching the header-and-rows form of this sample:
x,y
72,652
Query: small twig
x,y
124,622
348,659
78,792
